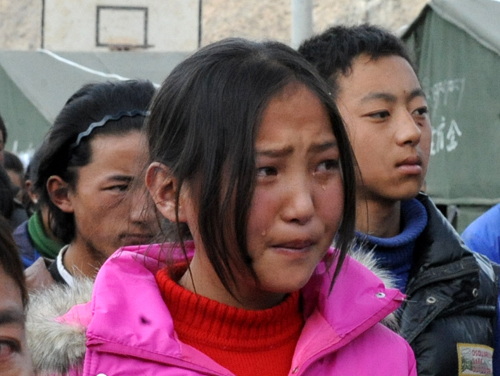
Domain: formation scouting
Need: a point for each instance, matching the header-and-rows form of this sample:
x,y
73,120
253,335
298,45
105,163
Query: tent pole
x,y
42,34
200,22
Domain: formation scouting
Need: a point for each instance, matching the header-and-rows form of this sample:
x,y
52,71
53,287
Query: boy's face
x,y
386,116
109,208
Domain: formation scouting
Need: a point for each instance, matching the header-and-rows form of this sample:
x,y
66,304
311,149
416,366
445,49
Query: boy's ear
x,y
59,193
163,187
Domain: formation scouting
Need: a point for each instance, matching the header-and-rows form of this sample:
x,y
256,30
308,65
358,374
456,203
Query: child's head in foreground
x,y
248,150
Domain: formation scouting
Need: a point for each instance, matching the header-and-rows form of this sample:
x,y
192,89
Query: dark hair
x,y
333,51
10,260
30,174
32,168
12,162
3,130
203,125
7,193
61,154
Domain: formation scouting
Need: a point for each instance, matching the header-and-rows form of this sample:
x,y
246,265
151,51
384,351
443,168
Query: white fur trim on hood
x,y
56,347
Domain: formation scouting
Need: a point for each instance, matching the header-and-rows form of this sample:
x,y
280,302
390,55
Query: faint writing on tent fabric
x,y
444,93
444,97
445,136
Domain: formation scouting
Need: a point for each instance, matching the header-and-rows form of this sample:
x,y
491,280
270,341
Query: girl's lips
x,y
296,245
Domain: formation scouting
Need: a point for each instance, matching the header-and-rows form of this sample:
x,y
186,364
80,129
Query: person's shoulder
x,y
24,244
18,216
490,218
21,230
366,351
398,347
483,234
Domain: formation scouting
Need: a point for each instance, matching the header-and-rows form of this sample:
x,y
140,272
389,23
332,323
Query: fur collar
x,y
369,261
58,347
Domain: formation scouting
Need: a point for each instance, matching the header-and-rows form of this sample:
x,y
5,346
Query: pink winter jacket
x,y
129,330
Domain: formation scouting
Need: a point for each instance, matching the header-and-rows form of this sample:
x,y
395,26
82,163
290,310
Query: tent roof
x,y
478,18
48,79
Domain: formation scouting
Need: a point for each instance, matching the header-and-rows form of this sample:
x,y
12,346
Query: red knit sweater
x,y
245,342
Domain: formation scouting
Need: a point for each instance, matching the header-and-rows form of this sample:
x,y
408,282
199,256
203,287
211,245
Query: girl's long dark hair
x,y
203,125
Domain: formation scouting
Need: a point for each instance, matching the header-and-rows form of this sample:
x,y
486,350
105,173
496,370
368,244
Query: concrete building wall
x,y
20,24
271,19
173,24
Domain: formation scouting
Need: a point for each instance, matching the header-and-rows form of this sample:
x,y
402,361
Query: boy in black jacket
x,y
450,312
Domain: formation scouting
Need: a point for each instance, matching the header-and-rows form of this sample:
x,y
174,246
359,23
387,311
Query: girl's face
x,y
298,201
296,208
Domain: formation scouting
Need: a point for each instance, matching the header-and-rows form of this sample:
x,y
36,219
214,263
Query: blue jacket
x,y
25,245
483,235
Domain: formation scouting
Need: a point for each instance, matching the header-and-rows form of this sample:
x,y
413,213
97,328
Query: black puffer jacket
x,y
451,301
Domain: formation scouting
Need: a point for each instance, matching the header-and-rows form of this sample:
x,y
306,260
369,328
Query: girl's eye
x,y
8,348
266,171
380,115
328,165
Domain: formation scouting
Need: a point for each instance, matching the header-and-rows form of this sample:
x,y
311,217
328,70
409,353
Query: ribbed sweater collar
x,y
206,321
413,219
396,253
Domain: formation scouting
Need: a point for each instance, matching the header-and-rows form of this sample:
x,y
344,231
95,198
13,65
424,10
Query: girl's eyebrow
x,y
275,153
283,152
318,148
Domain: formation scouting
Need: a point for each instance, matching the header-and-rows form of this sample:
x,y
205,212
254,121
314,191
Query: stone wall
x,y
271,19
20,24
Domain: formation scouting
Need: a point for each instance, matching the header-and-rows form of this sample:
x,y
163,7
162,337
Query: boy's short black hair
x,y
334,51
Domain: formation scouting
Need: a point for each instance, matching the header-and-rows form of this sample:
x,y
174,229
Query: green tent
x,y
456,46
34,85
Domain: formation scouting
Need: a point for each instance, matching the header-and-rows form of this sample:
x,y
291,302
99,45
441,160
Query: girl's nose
x,y
299,204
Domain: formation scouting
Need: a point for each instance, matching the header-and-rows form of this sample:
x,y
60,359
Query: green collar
x,y
45,245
